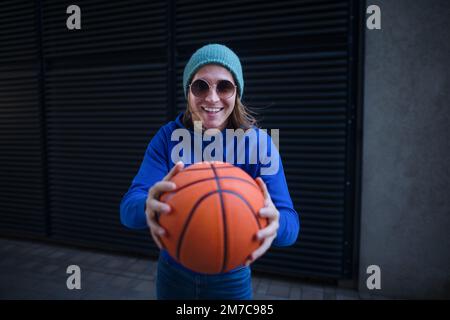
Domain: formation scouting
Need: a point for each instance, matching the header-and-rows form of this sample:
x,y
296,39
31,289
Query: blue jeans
x,y
174,282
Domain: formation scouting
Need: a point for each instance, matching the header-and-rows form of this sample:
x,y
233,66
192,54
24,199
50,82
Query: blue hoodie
x,y
158,162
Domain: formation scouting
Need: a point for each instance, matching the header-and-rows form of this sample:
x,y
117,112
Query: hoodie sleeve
x,y
154,168
272,173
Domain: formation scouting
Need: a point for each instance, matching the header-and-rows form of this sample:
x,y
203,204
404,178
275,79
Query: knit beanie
x,y
214,54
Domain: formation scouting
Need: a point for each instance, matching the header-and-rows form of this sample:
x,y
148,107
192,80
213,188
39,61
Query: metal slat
x,y
18,35
21,176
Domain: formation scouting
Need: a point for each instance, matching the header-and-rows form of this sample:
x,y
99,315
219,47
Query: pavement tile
x,y
140,266
133,295
115,262
121,282
143,286
346,294
31,265
7,261
263,286
8,247
50,268
94,259
75,257
43,251
296,292
309,293
255,283
279,288
59,253
329,293
266,297
6,244
16,285
93,280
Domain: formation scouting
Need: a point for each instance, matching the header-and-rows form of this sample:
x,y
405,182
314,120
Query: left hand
x,y
269,233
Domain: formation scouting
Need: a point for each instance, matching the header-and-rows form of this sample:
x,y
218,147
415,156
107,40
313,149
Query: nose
x,y
212,95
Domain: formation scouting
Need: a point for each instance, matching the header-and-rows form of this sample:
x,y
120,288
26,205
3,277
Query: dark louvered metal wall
x,y
22,171
106,95
107,88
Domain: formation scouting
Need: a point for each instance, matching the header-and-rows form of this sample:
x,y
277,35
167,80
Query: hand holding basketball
x,y
153,205
269,233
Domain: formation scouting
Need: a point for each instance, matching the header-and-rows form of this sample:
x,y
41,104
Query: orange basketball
x,y
214,218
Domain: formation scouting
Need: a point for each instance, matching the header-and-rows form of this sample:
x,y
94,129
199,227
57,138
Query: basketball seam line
x,y
246,202
222,206
214,178
188,221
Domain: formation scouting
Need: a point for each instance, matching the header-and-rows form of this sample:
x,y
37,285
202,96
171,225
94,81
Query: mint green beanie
x,y
214,54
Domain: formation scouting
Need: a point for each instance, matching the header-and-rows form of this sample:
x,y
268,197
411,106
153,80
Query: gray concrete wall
x,y
405,209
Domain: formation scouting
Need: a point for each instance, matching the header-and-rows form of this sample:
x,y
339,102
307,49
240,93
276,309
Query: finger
x,y
262,249
176,168
268,212
156,239
270,230
268,203
158,206
160,187
155,227
263,188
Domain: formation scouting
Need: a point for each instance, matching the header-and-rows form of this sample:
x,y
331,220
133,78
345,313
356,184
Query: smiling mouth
x,y
212,110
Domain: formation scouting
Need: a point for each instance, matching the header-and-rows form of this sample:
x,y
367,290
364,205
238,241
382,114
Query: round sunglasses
x,y
224,88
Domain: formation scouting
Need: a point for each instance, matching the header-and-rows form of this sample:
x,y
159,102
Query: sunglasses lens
x,y
200,88
225,88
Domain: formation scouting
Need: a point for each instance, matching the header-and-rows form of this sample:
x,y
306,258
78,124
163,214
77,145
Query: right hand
x,y
153,205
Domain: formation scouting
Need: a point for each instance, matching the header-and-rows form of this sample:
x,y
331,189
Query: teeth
x,y
212,109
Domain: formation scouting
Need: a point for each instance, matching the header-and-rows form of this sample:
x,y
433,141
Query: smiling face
x,y
212,110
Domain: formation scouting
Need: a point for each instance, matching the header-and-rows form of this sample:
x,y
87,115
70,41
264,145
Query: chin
x,y
212,125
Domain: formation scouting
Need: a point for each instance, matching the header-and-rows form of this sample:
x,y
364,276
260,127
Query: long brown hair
x,y
240,117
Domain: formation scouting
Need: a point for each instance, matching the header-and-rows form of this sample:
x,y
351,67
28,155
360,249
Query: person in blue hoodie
x,y
213,86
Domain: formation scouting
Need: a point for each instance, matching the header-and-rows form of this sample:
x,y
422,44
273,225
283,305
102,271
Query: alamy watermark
x,y
74,280
252,147
374,20
73,22
374,280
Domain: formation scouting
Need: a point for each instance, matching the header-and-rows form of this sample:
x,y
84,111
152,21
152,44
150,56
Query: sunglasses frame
x,y
212,86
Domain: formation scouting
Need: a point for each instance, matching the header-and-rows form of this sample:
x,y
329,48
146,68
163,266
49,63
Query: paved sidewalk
x,y
35,270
